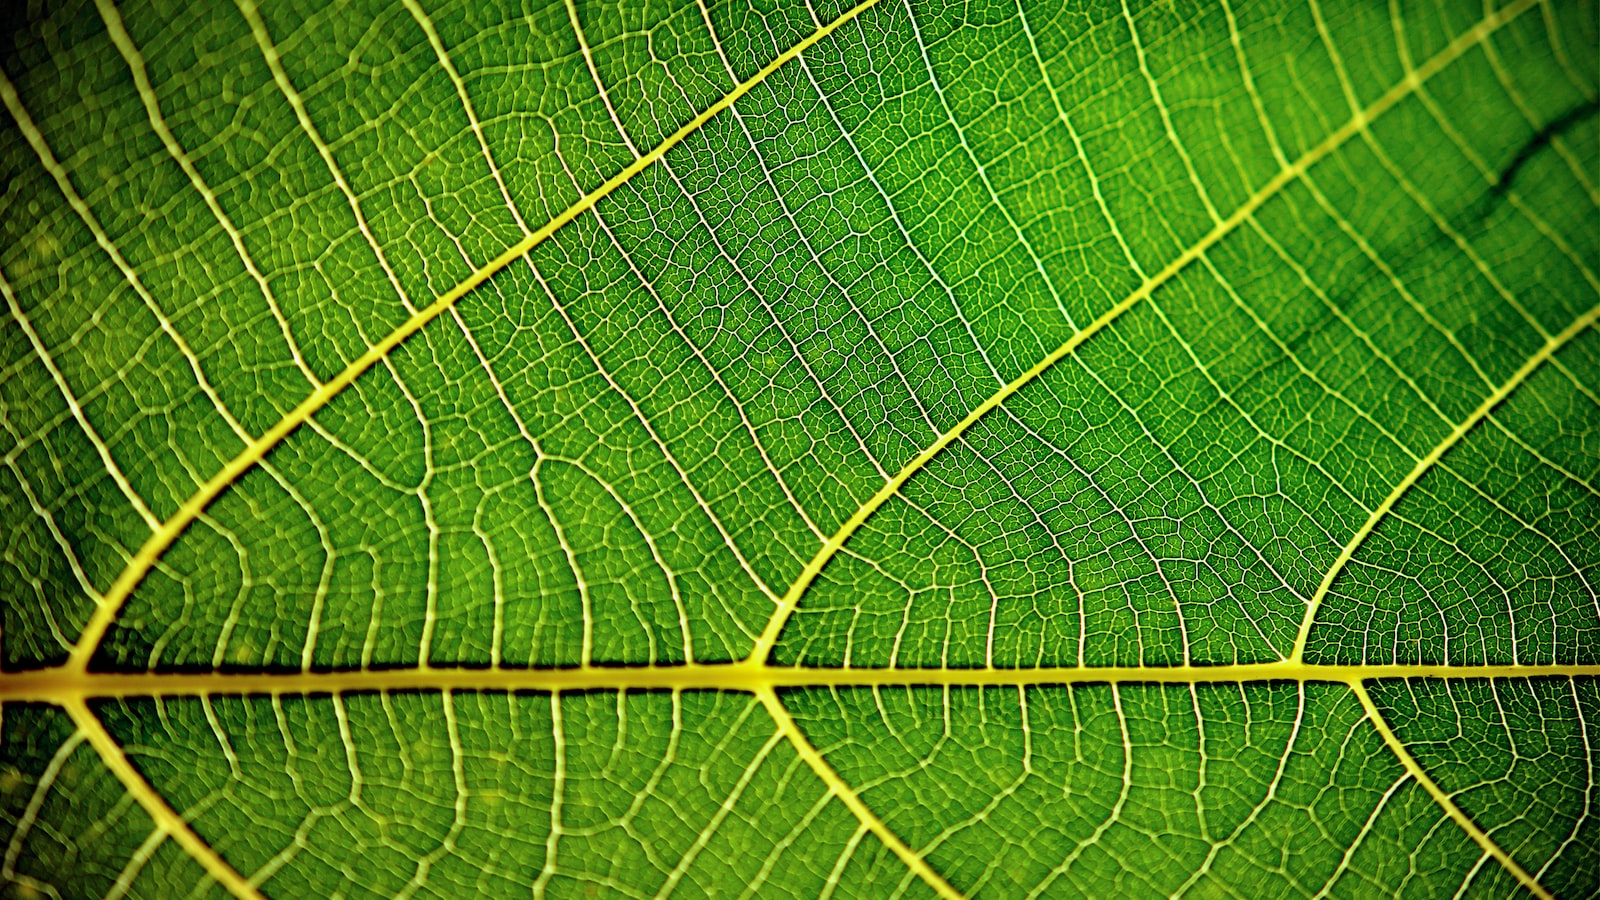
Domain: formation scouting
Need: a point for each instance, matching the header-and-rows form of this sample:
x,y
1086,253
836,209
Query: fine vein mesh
x,y
1076,791
1506,525
1177,489
626,447
1519,756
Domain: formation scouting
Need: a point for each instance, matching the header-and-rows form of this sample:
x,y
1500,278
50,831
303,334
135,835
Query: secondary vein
x,y
1546,352
145,558
1290,173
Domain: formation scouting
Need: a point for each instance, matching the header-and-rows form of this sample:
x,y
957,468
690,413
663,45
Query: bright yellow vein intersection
x,y
946,420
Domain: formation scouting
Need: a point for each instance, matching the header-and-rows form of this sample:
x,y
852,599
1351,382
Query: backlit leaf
x,y
1006,449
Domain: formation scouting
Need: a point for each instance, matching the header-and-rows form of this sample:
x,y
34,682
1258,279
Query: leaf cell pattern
x,y
745,450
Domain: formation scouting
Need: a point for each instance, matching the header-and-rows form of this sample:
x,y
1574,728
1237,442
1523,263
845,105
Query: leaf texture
x,y
744,450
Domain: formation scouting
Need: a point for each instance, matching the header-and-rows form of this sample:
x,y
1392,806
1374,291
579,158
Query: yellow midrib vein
x,y
61,687
73,691
1294,170
162,538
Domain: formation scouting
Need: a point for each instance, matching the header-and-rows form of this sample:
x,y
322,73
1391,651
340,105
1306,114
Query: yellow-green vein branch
x,y
1355,126
1440,797
848,795
111,604
166,819
1548,350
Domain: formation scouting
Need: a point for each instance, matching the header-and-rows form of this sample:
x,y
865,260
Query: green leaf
x,y
454,448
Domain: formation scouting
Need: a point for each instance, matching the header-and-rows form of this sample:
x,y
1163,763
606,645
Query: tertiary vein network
x,y
73,684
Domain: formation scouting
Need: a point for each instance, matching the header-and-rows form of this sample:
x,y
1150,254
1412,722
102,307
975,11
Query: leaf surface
x,y
859,451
